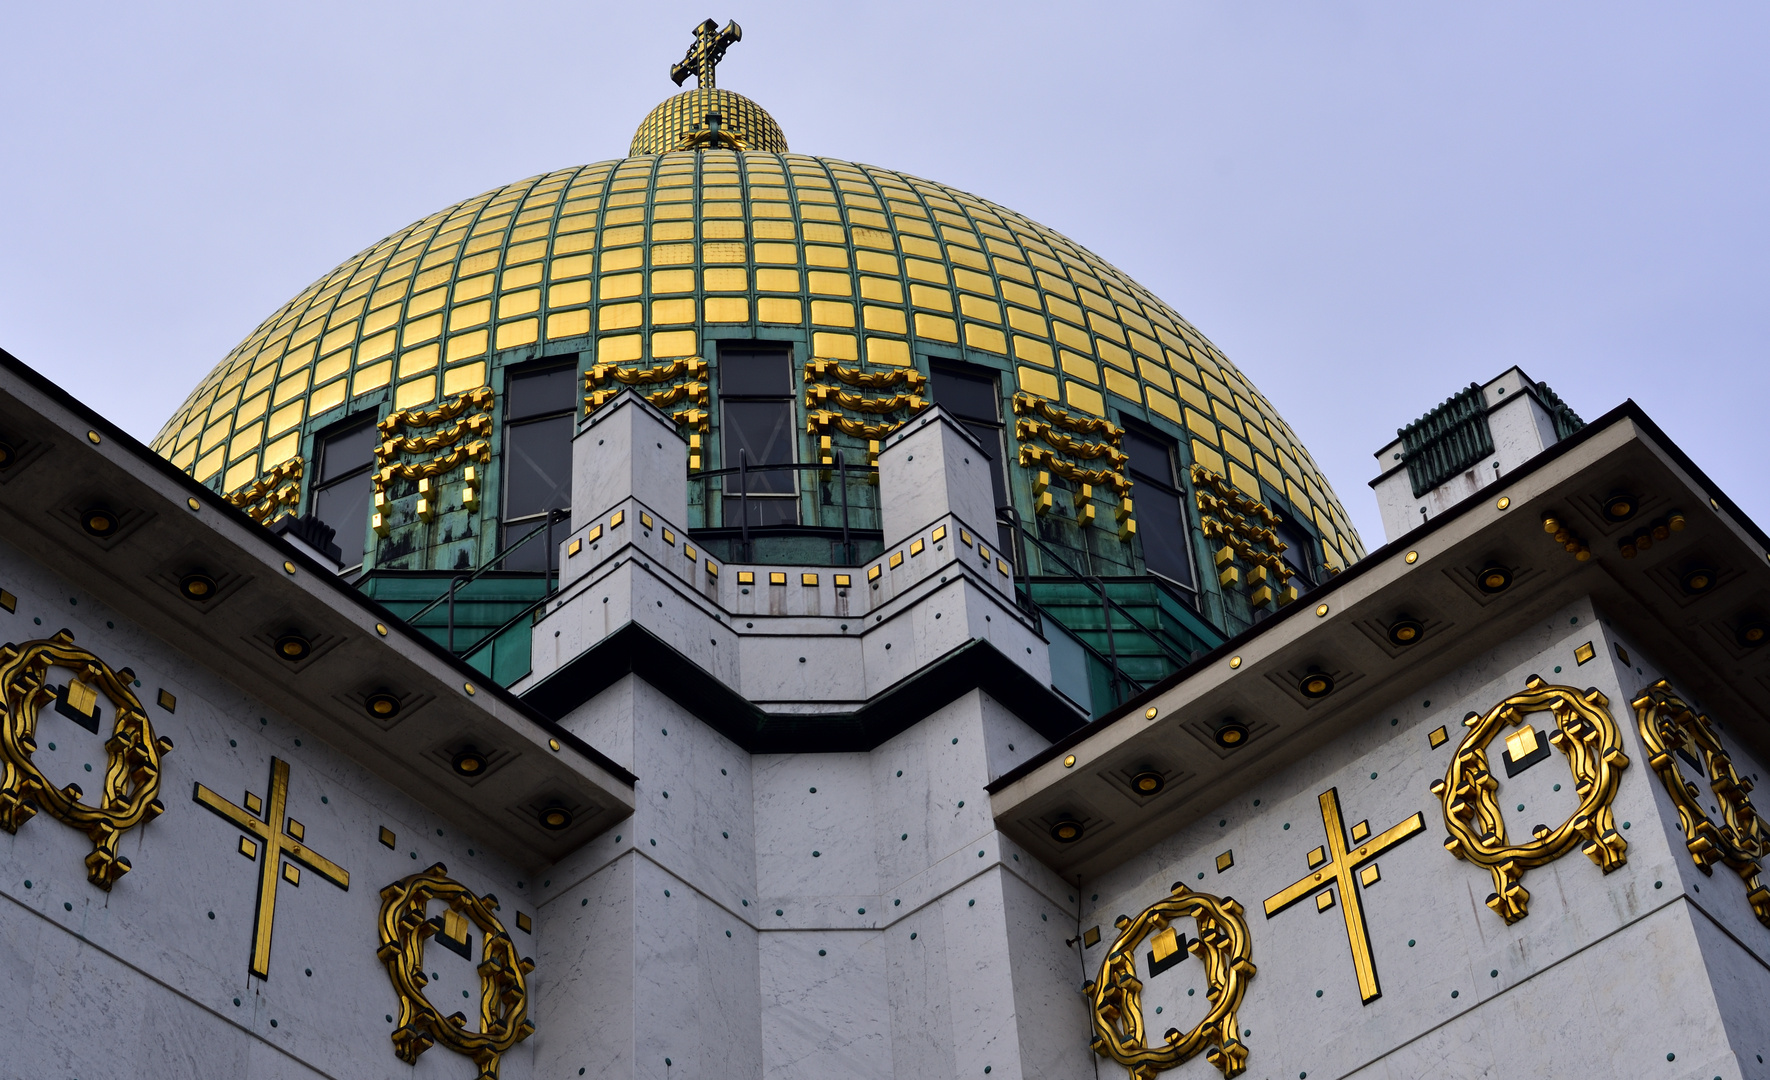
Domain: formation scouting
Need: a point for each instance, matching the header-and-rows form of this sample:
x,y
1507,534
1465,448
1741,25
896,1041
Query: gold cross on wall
x,y
704,55
275,843
1336,864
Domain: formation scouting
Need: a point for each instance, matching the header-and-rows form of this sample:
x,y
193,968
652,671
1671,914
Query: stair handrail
x,y
1096,586
457,583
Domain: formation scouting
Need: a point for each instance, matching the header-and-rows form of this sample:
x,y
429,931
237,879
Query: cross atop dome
x,y
704,55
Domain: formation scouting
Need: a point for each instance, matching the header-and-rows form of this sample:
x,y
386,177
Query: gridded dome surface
x,y
634,260
675,120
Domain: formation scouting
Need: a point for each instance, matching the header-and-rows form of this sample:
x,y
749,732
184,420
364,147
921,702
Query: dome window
x,y
539,404
758,428
342,489
975,401
1160,505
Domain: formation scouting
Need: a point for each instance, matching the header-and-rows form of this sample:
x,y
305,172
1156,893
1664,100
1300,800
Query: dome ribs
x,y
641,261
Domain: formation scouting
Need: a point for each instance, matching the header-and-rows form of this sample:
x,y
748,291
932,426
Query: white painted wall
x,y
141,982
1605,976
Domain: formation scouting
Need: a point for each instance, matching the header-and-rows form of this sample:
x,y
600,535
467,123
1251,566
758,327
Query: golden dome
x,y
649,257
685,122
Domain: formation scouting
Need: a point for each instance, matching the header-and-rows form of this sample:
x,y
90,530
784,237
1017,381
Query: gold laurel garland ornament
x,y
1116,997
132,769
1668,725
504,998
1589,739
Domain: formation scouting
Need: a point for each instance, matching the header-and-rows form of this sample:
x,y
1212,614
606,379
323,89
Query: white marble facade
x,y
743,924
1606,976
856,914
150,979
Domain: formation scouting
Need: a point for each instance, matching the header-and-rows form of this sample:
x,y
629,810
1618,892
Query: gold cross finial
x,y
1338,864
704,55
277,836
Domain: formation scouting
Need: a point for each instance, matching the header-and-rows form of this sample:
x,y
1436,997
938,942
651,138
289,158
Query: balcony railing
x,y
736,505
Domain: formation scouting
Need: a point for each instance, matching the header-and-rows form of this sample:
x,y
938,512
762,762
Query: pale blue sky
x,y
1365,205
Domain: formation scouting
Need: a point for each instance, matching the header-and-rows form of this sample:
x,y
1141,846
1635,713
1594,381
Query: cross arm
x,y
316,862
1385,840
1297,891
239,818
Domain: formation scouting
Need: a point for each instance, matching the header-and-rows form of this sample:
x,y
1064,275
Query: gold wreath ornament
x,y
1116,997
1590,740
1740,841
132,771
504,998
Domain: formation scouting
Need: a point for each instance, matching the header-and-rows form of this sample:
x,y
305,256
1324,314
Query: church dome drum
x,y
784,309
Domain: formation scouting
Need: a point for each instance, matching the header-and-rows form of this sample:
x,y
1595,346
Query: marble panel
x,y
178,927
825,1006
1429,929
930,468
584,1018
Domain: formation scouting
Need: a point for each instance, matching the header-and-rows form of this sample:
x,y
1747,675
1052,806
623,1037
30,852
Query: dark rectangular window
x,y
539,407
1161,505
975,401
758,428
1299,546
342,487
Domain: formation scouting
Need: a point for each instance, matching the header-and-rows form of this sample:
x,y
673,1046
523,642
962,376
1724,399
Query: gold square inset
x,y
1369,876
292,873
1360,831
1438,737
1091,937
808,579
644,519
524,923
619,516
939,534
594,534
254,803
965,537
842,581
1324,899
297,830
1584,652
916,548
777,578
1225,860
1623,655
167,701
746,577
1522,743
1317,857
8,601
896,560
1164,944
779,309
387,837
669,538
248,847
573,548
83,699
873,573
